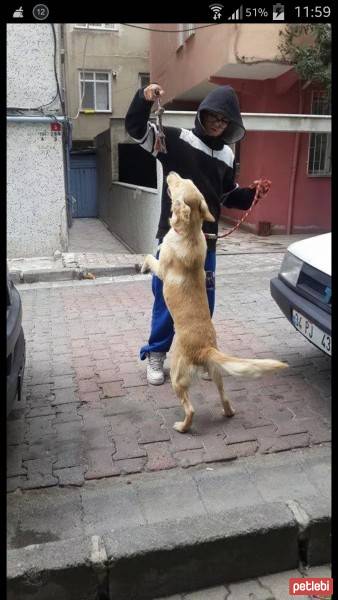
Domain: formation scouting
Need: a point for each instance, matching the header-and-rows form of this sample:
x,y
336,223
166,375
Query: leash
x,y
263,186
160,145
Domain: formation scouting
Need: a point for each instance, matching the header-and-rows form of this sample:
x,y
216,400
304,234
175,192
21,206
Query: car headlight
x,y
291,268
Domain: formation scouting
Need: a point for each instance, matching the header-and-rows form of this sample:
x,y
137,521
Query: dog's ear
x,y
205,213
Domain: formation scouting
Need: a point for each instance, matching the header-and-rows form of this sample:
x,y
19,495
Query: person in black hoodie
x,y
203,155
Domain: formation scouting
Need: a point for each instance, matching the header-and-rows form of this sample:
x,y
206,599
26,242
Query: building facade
x,y
36,196
104,64
193,60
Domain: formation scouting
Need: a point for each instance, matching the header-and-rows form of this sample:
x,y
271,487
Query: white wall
x,y
36,199
36,208
30,65
132,213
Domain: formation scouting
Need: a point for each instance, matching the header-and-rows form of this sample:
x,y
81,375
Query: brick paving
x,y
88,412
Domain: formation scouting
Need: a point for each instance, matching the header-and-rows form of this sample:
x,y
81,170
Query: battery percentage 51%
x,y
256,13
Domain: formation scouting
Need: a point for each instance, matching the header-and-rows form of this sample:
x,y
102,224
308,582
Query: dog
x,y
181,267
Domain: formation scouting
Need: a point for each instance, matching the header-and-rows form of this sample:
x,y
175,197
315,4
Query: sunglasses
x,y
216,119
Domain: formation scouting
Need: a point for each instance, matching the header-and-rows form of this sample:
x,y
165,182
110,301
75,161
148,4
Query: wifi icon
x,y
216,9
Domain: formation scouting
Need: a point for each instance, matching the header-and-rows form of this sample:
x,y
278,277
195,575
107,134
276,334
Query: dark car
x,y
16,347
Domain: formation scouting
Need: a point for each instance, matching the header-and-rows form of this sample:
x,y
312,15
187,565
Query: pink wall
x,y
271,155
175,69
262,154
313,194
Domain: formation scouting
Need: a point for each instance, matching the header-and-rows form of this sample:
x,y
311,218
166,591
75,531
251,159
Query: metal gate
x,y
83,185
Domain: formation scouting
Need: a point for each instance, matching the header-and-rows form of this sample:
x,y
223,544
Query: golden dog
x,y
181,267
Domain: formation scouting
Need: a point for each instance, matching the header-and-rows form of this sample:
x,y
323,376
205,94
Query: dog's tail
x,y
240,367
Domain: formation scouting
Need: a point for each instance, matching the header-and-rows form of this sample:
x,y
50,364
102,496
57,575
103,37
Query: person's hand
x,y
153,91
262,186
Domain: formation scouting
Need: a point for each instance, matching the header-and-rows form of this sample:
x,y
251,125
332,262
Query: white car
x,y
303,289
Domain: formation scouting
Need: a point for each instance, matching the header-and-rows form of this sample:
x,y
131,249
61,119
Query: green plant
x,y
308,49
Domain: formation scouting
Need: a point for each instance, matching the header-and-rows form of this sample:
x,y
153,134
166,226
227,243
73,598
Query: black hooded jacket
x,y
208,161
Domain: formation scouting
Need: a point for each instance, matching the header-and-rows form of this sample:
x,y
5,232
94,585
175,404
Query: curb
x,y
34,276
174,556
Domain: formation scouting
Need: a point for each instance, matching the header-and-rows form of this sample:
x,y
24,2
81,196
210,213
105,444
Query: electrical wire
x,y
170,30
58,93
84,81
117,92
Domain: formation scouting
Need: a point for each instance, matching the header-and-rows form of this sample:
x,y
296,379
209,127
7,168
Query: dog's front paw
x,y
145,267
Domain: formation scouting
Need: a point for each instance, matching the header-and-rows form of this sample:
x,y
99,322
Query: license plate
x,y
318,337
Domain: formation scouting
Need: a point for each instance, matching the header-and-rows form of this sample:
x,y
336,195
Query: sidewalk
x,y
158,535
95,252
106,500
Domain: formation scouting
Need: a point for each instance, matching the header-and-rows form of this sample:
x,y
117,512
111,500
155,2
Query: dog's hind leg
x,y
216,376
183,426
180,380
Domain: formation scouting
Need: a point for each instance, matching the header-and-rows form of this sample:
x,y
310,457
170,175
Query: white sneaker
x,y
155,373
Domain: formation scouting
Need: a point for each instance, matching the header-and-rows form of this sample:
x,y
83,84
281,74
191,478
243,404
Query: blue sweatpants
x,y
162,326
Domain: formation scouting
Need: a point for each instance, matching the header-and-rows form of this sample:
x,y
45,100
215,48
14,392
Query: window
x,y
185,31
99,26
143,79
319,162
95,86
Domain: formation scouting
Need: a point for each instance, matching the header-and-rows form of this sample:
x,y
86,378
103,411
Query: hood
x,y
315,251
222,100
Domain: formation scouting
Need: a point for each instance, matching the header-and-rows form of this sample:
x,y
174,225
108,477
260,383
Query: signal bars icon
x,y
216,9
237,15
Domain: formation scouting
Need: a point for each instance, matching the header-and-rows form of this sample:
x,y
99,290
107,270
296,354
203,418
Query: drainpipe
x,y
294,169
67,130
35,119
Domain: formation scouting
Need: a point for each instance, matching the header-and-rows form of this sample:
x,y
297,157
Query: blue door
x,y
83,185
